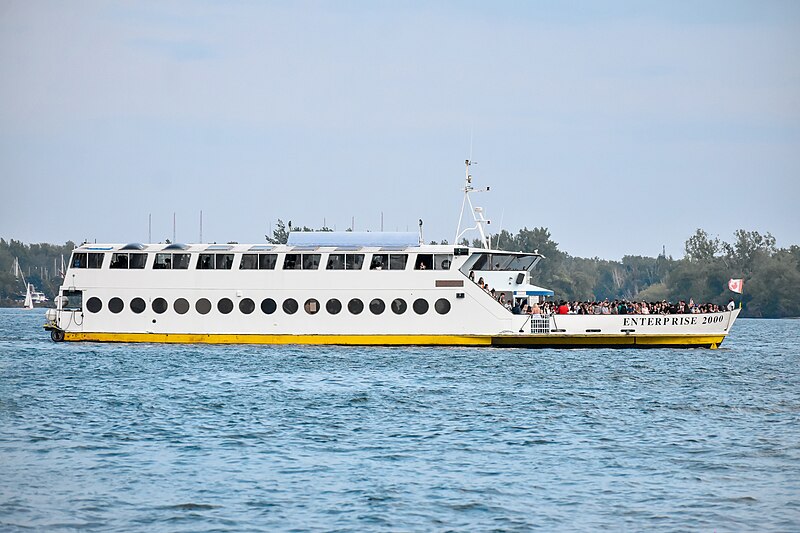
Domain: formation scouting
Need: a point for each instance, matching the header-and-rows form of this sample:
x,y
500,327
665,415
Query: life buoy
x,y
57,335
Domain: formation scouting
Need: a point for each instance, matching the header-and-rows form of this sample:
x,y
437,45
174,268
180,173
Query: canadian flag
x,y
736,285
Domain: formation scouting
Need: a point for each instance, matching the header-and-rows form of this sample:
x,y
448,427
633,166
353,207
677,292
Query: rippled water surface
x,y
146,437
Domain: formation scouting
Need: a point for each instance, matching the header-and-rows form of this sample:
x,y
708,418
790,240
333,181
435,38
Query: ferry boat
x,y
345,288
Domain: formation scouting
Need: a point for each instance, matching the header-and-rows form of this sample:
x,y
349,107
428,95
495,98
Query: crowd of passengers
x,y
604,307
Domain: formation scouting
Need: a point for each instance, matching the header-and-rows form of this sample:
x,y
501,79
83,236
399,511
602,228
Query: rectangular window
x,y
205,262
119,261
335,262
291,262
163,262
354,261
224,261
79,260
180,261
442,261
72,300
424,262
311,261
249,262
398,261
379,262
137,260
95,260
267,261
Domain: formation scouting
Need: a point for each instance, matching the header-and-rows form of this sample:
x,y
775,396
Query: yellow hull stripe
x,y
404,340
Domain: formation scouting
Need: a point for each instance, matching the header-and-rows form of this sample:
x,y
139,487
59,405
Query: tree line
x,y
771,274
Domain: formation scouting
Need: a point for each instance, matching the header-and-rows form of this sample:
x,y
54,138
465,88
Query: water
x,y
122,437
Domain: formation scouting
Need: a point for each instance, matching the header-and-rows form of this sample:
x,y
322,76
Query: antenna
x,y
421,238
149,228
477,212
173,226
201,226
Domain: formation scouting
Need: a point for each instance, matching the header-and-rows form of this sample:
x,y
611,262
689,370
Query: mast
x,y
477,212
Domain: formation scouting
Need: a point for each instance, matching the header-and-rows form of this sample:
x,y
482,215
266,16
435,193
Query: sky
x,y
620,126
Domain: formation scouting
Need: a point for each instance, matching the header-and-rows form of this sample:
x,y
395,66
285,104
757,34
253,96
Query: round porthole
x,y
355,306
181,306
247,306
94,305
420,306
160,305
203,306
377,306
290,306
442,306
311,306
138,305
399,306
333,306
268,306
115,305
225,306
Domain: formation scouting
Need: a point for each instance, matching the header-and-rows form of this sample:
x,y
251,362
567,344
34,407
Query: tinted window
x,y
119,261
115,305
180,261
377,306
249,262
399,306
311,261
354,261
355,306
137,260
267,261
333,306
205,262
162,262
291,262
247,306
225,306
95,260
335,262
398,261
79,260
442,306
72,300
379,262
268,306
181,306
443,261
138,305
420,306
290,306
94,305
203,306
224,261
160,305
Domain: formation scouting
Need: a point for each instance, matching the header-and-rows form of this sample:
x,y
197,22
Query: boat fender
x,y
57,335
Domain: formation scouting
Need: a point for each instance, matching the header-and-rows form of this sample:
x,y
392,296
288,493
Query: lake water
x,y
144,437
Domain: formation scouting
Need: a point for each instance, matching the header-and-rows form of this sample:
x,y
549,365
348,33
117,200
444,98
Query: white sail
x,y
28,298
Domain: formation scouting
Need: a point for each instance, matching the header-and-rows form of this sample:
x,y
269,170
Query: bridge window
x,y
87,260
345,261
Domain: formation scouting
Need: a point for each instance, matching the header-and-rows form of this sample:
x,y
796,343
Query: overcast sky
x,y
620,126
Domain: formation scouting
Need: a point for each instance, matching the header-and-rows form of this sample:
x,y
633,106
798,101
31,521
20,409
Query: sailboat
x,y
28,298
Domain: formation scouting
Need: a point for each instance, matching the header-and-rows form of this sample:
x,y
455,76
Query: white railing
x,y
540,324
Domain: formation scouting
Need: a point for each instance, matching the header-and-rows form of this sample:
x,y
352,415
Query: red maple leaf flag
x,y
736,285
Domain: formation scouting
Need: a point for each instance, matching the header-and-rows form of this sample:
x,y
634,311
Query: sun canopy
x,y
401,239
